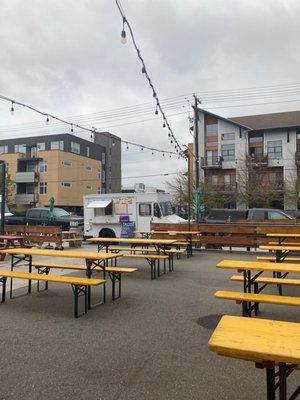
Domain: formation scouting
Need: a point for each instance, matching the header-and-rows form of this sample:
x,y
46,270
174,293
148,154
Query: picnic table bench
x,y
73,238
115,273
79,285
10,242
281,251
271,345
250,300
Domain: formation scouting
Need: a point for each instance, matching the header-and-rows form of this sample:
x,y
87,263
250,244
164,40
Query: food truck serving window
x,y
145,209
101,207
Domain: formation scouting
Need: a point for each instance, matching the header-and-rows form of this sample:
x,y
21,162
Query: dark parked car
x,y
222,215
40,216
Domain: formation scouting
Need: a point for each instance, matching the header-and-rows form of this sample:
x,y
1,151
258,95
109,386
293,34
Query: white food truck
x,y
106,214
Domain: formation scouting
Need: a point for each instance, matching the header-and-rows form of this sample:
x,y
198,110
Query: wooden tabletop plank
x,y
282,247
132,240
288,235
62,253
257,339
259,266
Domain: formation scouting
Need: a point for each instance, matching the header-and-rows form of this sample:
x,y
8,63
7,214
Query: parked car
x,y
223,215
39,216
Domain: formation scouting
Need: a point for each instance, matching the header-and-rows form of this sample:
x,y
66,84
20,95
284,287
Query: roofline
x,y
225,119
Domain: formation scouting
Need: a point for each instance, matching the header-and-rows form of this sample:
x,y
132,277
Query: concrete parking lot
x,y
150,344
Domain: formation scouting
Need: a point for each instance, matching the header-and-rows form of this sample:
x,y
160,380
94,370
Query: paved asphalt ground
x,y
150,344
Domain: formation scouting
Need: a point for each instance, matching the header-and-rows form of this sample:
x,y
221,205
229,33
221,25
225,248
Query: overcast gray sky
x,y
66,58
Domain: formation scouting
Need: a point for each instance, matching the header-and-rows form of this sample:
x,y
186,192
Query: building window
x,y
211,130
87,151
40,146
43,187
145,209
66,184
66,163
20,148
214,179
88,168
89,187
58,145
75,148
211,157
3,149
228,152
228,136
43,166
275,149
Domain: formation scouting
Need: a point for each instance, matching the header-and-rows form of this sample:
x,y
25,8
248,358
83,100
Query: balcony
x,y
26,198
256,161
26,177
211,162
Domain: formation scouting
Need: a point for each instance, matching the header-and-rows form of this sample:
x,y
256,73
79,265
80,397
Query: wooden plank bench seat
x,y
273,258
247,298
115,273
268,280
132,249
79,285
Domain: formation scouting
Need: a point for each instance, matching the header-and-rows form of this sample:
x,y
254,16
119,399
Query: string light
x,y
92,130
47,120
144,71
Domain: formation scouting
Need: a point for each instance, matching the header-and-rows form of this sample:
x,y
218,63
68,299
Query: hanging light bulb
x,y
170,156
12,110
163,154
164,125
152,153
169,134
143,70
123,36
47,120
154,94
171,141
72,130
113,142
156,111
142,148
127,147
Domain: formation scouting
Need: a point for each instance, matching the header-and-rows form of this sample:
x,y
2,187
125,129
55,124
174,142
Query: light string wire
x,y
83,128
171,135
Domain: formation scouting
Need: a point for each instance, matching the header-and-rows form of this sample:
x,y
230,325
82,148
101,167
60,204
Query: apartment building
x,y
250,152
63,166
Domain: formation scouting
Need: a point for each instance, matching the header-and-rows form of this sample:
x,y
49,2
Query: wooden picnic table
x,y
144,234
161,245
92,260
281,251
188,235
283,236
281,270
10,242
269,344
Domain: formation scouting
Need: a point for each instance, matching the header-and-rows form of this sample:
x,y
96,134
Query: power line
x,y
171,136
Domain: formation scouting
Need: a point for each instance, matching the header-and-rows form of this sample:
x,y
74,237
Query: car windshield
x,y
59,212
166,208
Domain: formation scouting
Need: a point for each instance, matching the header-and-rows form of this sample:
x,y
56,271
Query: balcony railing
x,y
26,198
211,162
257,161
26,177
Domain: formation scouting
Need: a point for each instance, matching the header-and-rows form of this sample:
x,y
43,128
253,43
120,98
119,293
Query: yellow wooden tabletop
x,y
257,339
282,247
288,235
132,240
177,232
63,253
259,266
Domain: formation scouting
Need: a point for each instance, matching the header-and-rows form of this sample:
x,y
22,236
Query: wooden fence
x,y
229,234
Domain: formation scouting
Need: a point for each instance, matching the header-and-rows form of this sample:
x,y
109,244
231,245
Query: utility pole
x,y
189,188
3,183
196,141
